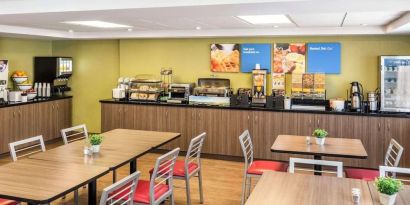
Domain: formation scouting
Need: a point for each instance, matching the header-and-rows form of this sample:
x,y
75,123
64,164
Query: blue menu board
x,y
323,58
252,54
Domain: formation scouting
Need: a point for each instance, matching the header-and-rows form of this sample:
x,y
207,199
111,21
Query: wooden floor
x,y
222,181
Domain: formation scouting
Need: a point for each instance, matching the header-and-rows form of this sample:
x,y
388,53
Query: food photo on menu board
x,y
225,58
289,58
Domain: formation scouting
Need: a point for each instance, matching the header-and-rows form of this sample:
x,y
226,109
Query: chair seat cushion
x,y
258,167
8,202
364,174
179,168
142,192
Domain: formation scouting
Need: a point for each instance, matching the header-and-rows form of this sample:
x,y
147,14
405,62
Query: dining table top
x,y
402,198
333,147
119,146
39,181
286,188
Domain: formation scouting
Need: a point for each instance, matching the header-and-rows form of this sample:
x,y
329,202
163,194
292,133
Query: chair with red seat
x,y
392,159
153,192
191,165
255,168
8,202
121,192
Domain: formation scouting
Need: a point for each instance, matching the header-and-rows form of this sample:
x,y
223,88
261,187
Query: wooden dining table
x,y
119,147
333,147
302,189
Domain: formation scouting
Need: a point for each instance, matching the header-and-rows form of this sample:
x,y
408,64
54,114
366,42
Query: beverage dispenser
x,y
54,70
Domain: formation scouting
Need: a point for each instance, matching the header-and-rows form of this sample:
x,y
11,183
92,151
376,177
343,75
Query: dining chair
x,y
160,186
8,202
79,131
30,144
338,165
191,165
254,168
392,159
384,170
121,192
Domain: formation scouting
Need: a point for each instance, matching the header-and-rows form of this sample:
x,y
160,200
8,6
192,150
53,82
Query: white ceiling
x,y
179,18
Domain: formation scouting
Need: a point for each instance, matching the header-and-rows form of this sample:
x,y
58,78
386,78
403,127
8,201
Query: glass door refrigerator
x,y
395,83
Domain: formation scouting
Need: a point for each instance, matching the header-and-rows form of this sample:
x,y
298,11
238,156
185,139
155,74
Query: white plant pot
x,y
320,141
387,199
96,148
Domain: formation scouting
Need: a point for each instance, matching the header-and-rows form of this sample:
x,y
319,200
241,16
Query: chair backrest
x,y
384,170
247,147
194,151
163,172
121,192
338,165
14,146
79,131
393,154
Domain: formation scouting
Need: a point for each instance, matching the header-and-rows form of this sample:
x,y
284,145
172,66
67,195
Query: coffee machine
x,y
259,86
356,97
54,70
4,75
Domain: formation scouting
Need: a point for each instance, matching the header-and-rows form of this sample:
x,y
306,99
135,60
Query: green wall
x,y
190,58
20,53
96,70
99,63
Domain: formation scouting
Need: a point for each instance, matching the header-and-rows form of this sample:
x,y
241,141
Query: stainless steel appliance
x,y
213,87
179,93
54,70
259,87
395,83
356,97
372,100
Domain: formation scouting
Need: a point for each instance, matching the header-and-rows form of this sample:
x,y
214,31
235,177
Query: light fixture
x,y
98,24
130,29
70,31
275,26
198,28
266,19
363,24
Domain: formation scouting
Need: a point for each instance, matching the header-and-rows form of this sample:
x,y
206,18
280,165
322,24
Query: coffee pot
x,y
356,87
356,97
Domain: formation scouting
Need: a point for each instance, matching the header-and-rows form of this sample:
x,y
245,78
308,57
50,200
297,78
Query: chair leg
x,y
245,179
171,198
188,194
76,200
249,187
201,193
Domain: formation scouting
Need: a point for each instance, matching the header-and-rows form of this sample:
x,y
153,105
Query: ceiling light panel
x,y
266,19
98,24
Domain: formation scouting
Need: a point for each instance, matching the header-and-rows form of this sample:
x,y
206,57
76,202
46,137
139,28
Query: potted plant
x,y
388,188
95,142
320,135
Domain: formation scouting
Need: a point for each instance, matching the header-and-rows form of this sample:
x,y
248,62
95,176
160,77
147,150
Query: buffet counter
x,y
223,126
54,98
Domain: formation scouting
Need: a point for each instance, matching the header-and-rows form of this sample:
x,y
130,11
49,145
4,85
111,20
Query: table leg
x,y
92,193
133,166
318,167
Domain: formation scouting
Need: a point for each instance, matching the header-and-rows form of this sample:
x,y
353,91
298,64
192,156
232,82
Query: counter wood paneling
x,y
223,127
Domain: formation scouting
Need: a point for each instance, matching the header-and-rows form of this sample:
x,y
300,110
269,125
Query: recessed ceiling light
x,y
198,28
71,31
265,19
275,26
130,29
98,24
364,24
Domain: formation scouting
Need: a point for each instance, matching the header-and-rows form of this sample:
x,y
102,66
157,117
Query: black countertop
x,y
379,114
11,104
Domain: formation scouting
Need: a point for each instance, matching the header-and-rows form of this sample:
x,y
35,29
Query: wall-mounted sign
x,y
324,58
289,58
252,54
225,58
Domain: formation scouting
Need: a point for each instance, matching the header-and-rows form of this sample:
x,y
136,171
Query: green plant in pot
x,y
95,141
320,135
388,189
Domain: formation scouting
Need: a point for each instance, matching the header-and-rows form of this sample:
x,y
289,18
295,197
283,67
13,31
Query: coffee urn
x,y
356,97
372,99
